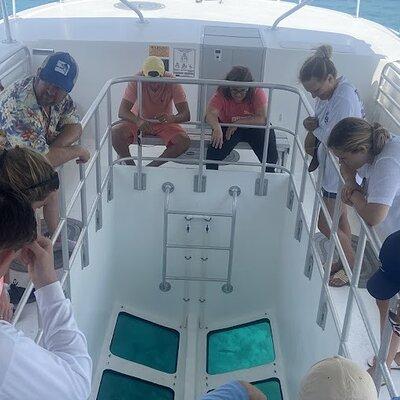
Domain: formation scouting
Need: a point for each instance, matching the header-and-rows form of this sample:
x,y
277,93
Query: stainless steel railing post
x,y
167,188
110,185
322,309
99,207
386,338
6,22
84,214
200,178
353,285
308,268
290,12
358,8
261,183
234,192
63,218
139,177
135,10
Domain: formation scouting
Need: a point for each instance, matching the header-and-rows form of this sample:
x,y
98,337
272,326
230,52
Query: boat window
x,y
146,343
240,347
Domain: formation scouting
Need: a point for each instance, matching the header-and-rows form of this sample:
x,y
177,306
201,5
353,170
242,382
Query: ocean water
x,y
385,12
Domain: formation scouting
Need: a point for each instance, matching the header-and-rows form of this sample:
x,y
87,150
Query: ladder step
x,y
194,278
196,247
198,213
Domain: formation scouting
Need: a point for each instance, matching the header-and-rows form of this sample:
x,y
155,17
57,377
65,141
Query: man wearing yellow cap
x,y
157,104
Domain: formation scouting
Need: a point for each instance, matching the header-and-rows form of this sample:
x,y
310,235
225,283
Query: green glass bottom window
x,y
271,388
117,386
240,347
145,343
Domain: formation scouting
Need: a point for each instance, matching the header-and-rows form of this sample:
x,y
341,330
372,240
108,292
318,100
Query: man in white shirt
x,y
61,368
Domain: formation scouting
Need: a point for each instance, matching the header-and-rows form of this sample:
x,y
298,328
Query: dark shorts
x,y
328,195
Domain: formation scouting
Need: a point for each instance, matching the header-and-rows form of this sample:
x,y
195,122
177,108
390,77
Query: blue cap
x,y
385,283
61,70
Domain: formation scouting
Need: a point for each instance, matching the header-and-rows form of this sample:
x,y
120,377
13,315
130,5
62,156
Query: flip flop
x,y
340,276
338,264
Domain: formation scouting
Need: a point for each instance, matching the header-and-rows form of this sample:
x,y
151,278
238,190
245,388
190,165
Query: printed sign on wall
x,y
159,51
184,62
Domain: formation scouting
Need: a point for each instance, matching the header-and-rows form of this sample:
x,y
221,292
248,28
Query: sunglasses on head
x,y
53,183
153,74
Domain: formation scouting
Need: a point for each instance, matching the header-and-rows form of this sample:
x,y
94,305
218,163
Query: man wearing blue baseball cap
x,y
37,112
385,284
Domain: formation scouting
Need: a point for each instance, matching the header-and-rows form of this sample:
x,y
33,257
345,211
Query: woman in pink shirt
x,y
239,105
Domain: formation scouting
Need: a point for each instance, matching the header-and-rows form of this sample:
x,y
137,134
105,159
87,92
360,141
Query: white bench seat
x,y
282,143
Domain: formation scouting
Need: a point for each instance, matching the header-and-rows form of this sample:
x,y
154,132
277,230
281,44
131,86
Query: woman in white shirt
x,y
374,154
336,98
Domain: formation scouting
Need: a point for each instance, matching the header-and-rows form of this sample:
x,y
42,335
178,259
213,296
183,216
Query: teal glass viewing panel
x,y
145,343
271,388
240,347
117,386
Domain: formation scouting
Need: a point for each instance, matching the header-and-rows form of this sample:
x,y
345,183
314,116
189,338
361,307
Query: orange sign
x,y
158,51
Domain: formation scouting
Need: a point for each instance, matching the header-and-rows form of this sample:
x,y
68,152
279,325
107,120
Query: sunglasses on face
x,y
153,74
236,90
53,183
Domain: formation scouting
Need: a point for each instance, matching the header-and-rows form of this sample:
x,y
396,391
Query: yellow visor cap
x,y
153,63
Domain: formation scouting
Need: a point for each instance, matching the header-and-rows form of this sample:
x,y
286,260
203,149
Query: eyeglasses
x,y
53,183
237,90
153,74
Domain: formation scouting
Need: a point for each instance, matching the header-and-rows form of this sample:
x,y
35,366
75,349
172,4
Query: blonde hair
x,y
355,134
319,65
22,168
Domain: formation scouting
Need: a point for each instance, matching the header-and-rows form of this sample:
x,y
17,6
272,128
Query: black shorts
x,y
328,195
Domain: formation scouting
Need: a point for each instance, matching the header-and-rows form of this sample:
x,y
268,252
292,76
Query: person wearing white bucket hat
x,y
337,378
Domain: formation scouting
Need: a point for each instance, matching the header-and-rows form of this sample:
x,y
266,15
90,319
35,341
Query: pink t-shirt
x,y
230,111
157,98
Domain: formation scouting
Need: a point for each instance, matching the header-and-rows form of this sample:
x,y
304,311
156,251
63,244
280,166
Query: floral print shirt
x,y
24,123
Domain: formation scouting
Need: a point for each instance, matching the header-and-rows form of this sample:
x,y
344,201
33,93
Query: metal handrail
x,y
6,22
290,12
134,9
298,193
393,66
27,59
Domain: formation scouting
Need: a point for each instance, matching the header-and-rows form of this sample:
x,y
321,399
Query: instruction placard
x,y
184,62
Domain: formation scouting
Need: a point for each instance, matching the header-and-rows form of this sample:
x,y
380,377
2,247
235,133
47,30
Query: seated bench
x,y
282,144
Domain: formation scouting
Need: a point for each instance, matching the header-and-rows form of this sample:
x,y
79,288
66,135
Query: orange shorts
x,y
167,132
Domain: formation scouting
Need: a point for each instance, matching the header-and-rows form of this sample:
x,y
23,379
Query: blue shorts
x,y
231,391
